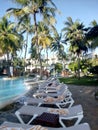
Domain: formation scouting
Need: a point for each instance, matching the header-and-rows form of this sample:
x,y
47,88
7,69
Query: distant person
x,y
11,71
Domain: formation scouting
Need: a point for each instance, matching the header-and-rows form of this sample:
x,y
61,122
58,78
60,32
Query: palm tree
x,y
74,35
44,39
58,44
22,25
45,7
48,13
94,23
33,54
92,35
10,40
25,27
44,36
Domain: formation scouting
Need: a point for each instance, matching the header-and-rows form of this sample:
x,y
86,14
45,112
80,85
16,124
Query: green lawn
x,y
87,81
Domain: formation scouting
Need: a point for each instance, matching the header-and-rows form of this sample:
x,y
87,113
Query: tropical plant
x,y
94,70
92,35
10,39
73,66
33,54
22,24
58,67
85,65
74,33
57,45
25,27
44,36
45,7
44,39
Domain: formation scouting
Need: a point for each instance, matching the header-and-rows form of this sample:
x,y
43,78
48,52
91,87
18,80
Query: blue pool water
x,y
11,89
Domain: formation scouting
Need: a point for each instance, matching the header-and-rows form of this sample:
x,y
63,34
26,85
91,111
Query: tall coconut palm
x,y
22,24
74,33
92,35
44,38
48,13
33,54
45,7
57,44
10,40
25,28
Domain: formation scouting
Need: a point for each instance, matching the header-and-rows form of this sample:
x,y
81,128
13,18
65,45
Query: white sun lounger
x,y
83,126
45,84
63,103
49,83
74,112
53,88
52,94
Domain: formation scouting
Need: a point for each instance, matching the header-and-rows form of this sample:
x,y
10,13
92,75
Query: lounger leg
x,y
32,119
79,119
19,118
39,104
61,122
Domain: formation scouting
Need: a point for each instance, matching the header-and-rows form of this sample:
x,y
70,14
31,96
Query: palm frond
x,y
94,43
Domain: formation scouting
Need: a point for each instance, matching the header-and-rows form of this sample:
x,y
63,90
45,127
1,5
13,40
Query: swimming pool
x,y
11,89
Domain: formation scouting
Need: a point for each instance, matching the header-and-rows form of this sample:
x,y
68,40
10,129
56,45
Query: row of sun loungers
x,y
50,108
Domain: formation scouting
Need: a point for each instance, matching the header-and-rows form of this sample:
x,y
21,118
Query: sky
x,y
83,10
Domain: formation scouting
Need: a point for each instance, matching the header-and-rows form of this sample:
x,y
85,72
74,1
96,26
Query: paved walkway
x,y
85,96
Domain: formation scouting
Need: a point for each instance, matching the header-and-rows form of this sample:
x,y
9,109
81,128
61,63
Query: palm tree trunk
x,y
26,46
25,51
40,61
47,55
8,63
38,49
78,67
